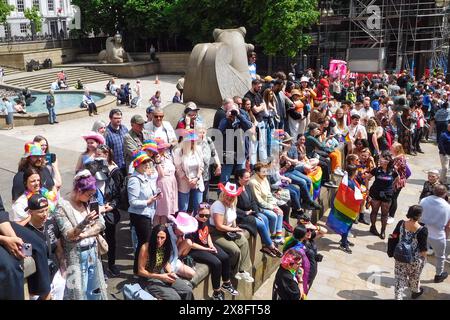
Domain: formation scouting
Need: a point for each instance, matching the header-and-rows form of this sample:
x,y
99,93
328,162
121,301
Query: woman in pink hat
x,y
226,234
167,184
93,140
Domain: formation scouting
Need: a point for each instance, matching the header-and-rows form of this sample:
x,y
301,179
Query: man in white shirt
x,y
436,216
356,131
366,112
161,129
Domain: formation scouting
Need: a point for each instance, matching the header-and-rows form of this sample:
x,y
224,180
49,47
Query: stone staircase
x,y
10,71
43,80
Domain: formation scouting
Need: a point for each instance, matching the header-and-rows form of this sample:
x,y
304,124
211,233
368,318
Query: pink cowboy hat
x,y
230,189
94,136
184,222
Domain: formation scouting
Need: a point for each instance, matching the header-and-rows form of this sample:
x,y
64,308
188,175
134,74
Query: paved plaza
x,y
365,274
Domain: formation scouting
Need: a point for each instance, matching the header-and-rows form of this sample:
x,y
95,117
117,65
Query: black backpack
x,y
404,250
124,204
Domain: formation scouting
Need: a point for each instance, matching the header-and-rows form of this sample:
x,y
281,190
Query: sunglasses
x,y
203,215
158,117
204,205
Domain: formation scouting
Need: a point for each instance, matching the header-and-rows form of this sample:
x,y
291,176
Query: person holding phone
x,y
249,213
156,270
142,198
50,160
79,228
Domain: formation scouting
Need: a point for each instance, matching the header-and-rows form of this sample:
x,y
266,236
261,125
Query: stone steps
x,y
43,81
10,71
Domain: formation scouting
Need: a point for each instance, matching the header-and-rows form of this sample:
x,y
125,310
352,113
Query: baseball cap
x,y
138,119
191,106
433,171
150,109
36,202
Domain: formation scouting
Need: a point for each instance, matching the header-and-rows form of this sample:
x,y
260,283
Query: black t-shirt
x,y
284,286
384,181
50,233
18,188
201,235
255,98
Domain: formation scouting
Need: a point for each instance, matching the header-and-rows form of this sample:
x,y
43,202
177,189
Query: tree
x,y
283,24
35,18
5,10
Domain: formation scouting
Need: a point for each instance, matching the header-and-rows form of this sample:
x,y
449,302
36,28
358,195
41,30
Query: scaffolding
x,y
411,32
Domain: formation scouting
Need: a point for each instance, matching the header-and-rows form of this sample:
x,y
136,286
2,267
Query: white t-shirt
x,y
355,131
165,132
436,215
18,212
218,208
366,113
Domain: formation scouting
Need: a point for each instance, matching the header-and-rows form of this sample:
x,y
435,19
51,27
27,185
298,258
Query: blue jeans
x,y
51,114
275,220
91,283
294,192
183,200
227,171
303,181
262,224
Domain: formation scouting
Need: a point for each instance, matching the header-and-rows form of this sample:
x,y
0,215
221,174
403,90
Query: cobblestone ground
x,y
368,273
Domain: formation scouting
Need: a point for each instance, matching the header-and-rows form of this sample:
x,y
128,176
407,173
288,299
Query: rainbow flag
x,y
347,137
316,178
345,208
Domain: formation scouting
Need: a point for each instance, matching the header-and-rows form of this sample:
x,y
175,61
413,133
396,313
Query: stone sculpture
x,y
114,52
218,70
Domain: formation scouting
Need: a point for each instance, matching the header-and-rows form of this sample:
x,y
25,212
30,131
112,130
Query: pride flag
x,y
345,208
316,178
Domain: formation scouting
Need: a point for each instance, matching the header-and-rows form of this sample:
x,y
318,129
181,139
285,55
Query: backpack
x,y
124,204
135,292
404,251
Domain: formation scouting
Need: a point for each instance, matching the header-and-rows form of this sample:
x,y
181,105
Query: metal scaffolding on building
x,y
411,32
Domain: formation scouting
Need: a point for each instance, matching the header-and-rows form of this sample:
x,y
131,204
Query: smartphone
x,y
94,206
50,157
158,192
27,249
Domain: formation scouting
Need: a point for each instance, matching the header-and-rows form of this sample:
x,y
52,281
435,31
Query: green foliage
x,y
278,26
35,17
282,26
5,10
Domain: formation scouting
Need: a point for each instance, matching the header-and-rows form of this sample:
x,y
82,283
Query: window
x,y
37,4
51,5
20,6
23,28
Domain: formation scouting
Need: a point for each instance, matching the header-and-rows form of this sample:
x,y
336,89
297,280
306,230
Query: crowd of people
x,y
271,151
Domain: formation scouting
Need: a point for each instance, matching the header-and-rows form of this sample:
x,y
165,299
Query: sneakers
x,y
373,230
228,287
288,227
430,252
390,220
315,205
114,270
330,184
351,244
415,295
441,277
345,249
244,276
279,240
218,295
339,172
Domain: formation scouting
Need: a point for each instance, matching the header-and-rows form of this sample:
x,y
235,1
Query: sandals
x,y
268,251
277,252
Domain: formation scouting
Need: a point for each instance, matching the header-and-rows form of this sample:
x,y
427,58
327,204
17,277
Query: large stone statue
x,y
218,70
114,52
